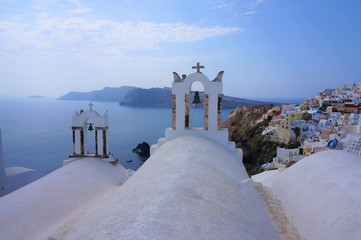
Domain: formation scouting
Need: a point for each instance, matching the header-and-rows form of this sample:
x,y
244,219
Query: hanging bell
x,y
196,99
90,128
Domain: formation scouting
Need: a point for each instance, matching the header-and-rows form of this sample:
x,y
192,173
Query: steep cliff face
x,y
245,125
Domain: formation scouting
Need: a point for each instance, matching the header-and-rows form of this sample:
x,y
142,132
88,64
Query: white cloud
x,y
80,10
80,34
255,4
237,8
249,12
224,5
252,8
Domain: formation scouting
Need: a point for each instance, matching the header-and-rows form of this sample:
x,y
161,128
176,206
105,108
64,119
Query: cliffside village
x,y
329,121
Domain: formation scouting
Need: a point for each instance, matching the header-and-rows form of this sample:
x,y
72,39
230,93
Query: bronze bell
x,y
196,99
90,128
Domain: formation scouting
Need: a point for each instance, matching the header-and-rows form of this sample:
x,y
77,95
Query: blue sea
x,y
36,132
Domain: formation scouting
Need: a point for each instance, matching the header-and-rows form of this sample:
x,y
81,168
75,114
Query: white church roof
x,y
36,210
190,188
18,177
321,195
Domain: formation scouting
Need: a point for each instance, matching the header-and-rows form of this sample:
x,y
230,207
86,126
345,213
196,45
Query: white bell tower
x,y
213,94
80,126
181,90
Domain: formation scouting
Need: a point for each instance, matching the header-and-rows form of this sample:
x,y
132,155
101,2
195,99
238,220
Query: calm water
x,y
37,134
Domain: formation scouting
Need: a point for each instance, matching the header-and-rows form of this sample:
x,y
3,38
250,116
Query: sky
x,y
267,48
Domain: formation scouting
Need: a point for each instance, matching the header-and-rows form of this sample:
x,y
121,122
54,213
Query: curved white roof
x,y
190,188
321,195
38,209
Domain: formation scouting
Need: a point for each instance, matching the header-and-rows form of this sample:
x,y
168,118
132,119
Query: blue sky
x,y
267,48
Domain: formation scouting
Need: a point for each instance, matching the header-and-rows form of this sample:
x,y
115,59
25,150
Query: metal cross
x,y
198,67
91,106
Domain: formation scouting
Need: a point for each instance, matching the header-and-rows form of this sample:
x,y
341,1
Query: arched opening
x,y
90,141
196,105
90,134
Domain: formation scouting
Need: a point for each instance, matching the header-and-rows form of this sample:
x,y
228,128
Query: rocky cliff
x,y
245,125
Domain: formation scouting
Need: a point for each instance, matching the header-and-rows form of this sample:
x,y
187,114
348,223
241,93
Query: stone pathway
x,y
285,228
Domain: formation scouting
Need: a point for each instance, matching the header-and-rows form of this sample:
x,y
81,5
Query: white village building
x,y
354,118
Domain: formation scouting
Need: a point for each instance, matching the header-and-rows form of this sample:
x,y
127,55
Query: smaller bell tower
x,y
81,125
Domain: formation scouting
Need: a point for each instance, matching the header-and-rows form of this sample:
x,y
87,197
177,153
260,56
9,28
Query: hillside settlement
x,y
331,120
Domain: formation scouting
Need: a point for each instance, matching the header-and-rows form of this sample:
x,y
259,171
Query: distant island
x,y
131,96
107,94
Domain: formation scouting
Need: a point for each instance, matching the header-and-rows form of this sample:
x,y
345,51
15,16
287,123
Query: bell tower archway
x,y
213,94
81,125
181,90
195,107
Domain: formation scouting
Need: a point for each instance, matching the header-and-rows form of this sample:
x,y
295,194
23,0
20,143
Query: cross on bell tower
x,y
198,67
91,106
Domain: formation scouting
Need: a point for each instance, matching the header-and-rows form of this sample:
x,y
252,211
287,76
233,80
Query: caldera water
x,y
36,132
